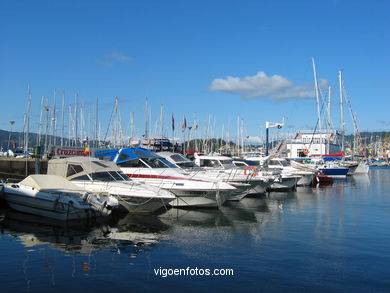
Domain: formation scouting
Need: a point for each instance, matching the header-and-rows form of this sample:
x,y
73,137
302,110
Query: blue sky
x,y
199,59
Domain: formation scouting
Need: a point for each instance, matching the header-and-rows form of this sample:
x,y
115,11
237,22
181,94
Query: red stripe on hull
x,y
161,177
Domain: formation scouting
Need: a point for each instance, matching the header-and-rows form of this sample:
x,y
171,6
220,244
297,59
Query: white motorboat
x,y
260,181
287,180
99,176
55,197
242,188
144,166
305,178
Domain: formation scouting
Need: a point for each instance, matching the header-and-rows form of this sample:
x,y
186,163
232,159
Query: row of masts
x,y
81,123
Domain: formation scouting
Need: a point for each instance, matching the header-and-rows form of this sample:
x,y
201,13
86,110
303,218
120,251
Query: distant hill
x,y
370,137
17,139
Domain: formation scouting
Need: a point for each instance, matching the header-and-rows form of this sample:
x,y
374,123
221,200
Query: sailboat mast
x,y
131,127
62,118
341,110
40,123
317,96
328,122
97,122
75,120
27,121
162,120
53,122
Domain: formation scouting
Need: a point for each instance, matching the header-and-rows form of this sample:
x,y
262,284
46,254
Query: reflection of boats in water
x,y
48,252
258,203
201,217
138,230
361,180
132,232
34,230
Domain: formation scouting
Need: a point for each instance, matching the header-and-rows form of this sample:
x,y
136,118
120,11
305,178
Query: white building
x,y
307,143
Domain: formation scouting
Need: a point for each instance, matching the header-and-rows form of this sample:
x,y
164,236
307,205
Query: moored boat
x,y
55,197
100,176
142,165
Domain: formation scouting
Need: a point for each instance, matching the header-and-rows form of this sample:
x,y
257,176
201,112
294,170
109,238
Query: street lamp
x,y
11,122
269,125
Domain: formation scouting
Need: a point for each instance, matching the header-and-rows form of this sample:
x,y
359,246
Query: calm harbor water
x,y
329,239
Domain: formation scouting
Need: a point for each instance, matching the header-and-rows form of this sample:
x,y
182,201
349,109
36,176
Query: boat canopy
x,y
79,166
121,156
49,183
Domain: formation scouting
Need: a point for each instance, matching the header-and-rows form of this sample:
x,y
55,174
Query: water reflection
x,y
195,217
287,240
83,236
126,233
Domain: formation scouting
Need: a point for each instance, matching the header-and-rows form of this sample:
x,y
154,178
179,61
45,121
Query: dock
x,y
19,168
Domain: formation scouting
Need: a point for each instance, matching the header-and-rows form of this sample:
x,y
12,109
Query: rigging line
x,y
318,119
354,120
109,123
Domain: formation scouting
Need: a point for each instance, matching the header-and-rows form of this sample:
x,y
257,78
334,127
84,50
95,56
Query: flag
x,y
86,151
184,125
173,123
195,126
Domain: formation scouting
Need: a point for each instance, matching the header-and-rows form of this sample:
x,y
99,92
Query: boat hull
x,y
143,205
305,180
46,208
335,172
209,199
134,197
286,183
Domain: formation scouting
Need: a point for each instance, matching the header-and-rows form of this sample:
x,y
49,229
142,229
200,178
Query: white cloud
x,y
254,140
384,122
118,57
275,87
110,60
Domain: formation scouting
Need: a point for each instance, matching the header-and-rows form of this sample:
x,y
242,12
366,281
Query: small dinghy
x,y
55,197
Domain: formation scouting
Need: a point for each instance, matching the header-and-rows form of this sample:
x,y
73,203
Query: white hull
x,y
54,197
286,183
147,205
191,191
239,194
48,209
259,187
211,199
305,180
134,197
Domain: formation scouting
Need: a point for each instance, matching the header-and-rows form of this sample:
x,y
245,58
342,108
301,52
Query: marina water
x,y
325,239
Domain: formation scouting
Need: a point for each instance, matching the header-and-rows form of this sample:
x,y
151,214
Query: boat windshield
x,y
179,158
187,164
278,163
227,164
122,176
284,163
108,176
155,163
